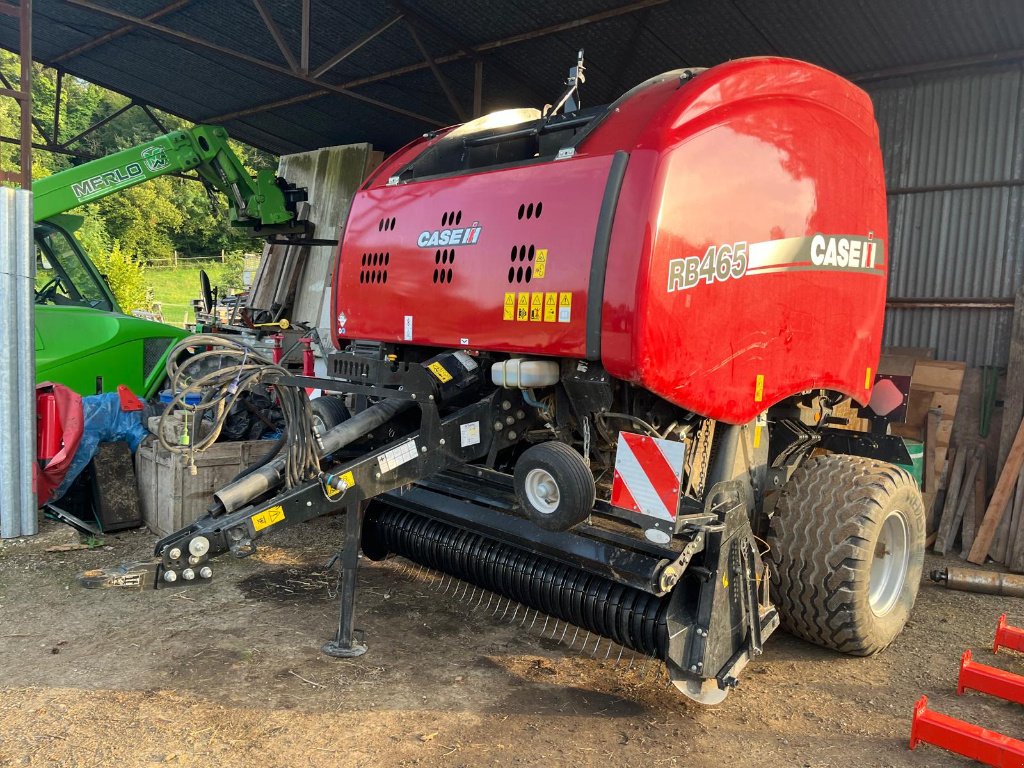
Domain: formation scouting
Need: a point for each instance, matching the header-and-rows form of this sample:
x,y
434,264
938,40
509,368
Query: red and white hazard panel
x,y
648,472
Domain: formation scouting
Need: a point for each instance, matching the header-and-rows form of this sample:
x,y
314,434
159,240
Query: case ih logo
x,y
463,236
845,253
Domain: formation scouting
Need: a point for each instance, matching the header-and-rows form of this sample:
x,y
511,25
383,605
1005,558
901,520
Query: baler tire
x,y
824,539
575,488
329,411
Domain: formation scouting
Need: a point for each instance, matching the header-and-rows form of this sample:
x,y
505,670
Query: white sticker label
x,y
470,433
396,457
564,314
408,327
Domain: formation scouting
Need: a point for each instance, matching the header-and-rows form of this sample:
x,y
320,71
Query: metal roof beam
x,y
113,35
464,53
275,32
344,53
438,75
304,40
505,41
263,64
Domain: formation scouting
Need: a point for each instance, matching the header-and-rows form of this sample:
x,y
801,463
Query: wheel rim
x,y
542,491
889,564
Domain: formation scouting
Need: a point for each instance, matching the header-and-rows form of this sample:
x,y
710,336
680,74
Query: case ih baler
x,y
592,358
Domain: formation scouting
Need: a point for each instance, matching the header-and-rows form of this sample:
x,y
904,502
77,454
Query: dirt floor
x,y
231,674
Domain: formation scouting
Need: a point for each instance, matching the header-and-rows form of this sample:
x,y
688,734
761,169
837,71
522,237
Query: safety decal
x,y
540,263
729,261
564,307
440,372
550,307
469,434
267,518
396,457
523,307
867,379
536,307
408,327
648,475
509,311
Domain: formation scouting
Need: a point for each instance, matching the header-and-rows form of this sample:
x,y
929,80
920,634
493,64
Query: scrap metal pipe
x,y
264,479
18,514
986,582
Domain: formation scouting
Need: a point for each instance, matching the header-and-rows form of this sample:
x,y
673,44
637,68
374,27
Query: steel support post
x,y
1008,636
964,738
991,680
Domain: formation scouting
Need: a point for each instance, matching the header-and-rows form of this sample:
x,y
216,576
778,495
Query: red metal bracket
x,y
1008,636
990,680
964,738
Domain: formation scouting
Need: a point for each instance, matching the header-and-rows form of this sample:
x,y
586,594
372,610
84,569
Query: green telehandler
x,y
82,337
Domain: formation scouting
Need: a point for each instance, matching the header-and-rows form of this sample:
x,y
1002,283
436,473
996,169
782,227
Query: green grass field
x,y
175,288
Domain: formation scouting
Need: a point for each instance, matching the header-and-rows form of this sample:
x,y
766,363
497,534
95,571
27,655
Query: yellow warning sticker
x,y
267,518
725,580
757,435
564,307
536,307
441,372
759,388
550,307
509,310
347,481
867,379
523,308
540,264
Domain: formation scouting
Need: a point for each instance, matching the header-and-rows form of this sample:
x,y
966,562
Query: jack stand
x,y
1008,636
990,680
343,646
964,738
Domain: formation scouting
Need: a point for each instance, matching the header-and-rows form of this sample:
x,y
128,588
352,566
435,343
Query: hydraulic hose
x,y
263,479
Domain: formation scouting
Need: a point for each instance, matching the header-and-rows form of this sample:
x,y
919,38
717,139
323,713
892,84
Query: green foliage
x,y
126,277
148,222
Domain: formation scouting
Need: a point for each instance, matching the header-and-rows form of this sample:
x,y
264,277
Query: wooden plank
x,y
1011,530
975,511
1000,498
1015,560
930,476
944,541
964,502
1013,401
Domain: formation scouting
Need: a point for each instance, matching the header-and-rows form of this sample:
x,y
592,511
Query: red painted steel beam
x,y
1008,636
990,680
964,738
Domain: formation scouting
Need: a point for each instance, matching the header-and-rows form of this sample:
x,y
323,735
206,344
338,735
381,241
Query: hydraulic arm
x,y
264,203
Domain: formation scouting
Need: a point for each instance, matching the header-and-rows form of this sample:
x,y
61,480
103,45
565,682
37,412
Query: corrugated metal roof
x,y
622,49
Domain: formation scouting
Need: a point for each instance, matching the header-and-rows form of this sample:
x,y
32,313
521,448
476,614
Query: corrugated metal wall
x,y
954,162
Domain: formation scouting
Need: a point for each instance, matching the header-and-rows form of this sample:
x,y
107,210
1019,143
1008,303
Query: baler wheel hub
x,y
890,562
542,490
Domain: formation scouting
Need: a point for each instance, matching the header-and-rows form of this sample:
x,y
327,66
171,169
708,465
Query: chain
x,y
704,438
586,441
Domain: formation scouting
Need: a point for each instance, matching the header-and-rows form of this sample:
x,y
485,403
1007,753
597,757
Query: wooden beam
x,y
1013,402
1000,498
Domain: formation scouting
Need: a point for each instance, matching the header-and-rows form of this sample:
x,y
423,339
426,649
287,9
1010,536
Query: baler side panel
x,y
407,283
769,168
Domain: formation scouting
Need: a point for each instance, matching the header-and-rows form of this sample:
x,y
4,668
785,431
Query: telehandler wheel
x,y
328,412
555,486
847,549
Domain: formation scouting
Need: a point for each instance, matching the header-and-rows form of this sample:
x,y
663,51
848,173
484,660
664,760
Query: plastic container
x,y
518,373
916,468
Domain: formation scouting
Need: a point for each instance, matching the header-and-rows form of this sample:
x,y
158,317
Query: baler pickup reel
x,y
423,491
